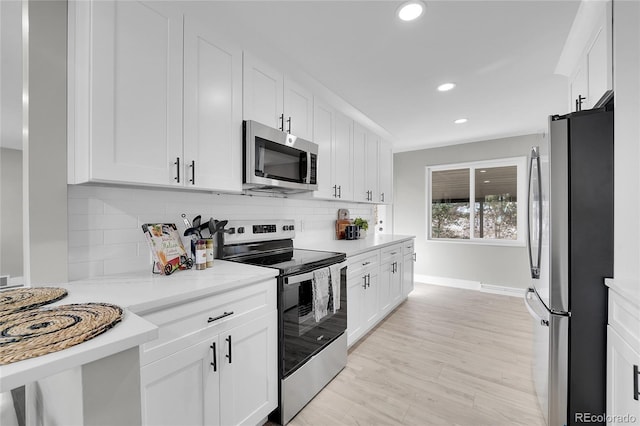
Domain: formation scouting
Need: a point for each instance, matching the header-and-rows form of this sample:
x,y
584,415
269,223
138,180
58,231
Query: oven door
x,y
301,336
277,159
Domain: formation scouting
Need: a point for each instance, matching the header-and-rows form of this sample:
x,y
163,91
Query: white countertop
x,y
355,247
137,293
629,289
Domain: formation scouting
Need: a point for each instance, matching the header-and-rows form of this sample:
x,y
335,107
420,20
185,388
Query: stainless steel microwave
x,y
277,161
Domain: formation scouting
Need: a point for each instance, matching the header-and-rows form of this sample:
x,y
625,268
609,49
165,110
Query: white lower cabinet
x,y
182,388
408,259
229,376
623,395
623,359
376,284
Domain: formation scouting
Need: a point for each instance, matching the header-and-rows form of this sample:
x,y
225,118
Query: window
x,y
477,202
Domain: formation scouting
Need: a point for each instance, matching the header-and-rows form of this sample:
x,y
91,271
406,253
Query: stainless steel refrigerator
x,y
570,232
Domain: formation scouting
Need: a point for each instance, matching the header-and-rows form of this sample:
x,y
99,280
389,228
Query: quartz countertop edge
x,y
629,289
356,247
131,332
137,293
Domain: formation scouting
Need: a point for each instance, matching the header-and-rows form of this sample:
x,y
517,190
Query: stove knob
x,y
291,228
241,230
232,231
285,228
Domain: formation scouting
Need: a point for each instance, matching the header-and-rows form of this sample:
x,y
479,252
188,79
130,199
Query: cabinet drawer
x,y
624,318
362,263
408,247
186,324
391,252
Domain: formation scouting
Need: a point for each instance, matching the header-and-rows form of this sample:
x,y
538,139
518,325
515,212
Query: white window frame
x,y
521,176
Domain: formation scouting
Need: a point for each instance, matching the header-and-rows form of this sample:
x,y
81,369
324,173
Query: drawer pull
x,y
226,314
215,362
394,252
635,382
366,263
228,339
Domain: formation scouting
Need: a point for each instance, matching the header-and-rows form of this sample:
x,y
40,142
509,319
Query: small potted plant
x,y
363,225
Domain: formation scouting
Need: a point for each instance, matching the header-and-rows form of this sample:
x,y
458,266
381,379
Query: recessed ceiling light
x,y
460,121
483,171
446,87
410,10
487,181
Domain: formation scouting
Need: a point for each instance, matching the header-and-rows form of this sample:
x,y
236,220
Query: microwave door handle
x,y
304,166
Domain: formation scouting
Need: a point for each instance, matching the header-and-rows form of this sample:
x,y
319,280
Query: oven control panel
x,y
245,231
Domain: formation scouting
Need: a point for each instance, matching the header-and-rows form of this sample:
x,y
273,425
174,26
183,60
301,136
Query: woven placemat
x,y
29,334
22,299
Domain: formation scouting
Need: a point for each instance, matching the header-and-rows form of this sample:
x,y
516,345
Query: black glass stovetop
x,y
287,259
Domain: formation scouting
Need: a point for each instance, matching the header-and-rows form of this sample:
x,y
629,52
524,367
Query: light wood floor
x,y
445,357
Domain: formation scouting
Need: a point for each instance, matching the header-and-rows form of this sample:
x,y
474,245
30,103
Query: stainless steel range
x,y
312,307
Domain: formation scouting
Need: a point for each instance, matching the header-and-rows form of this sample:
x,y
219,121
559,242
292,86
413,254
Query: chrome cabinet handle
x,y
282,122
366,263
289,122
335,191
214,362
226,314
339,191
382,197
364,282
228,339
177,163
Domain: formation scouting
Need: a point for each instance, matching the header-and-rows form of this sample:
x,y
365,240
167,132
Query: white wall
x,y
105,235
489,265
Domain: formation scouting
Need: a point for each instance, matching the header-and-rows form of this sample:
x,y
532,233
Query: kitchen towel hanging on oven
x,y
321,293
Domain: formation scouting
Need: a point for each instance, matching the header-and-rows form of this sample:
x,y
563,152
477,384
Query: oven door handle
x,y
296,279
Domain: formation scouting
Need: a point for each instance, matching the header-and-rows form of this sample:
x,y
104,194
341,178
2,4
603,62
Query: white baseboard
x,y
470,285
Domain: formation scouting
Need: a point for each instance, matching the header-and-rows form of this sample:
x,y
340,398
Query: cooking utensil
x,y
196,222
186,221
215,225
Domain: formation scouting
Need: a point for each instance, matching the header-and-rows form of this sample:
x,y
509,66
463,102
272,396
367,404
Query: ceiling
x,y
501,54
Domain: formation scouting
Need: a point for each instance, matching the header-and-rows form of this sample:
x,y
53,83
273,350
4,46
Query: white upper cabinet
x,y
332,131
342,161
154,98
212,110
263,93
271,98
324,135
365,165
385,173
135,93
592,75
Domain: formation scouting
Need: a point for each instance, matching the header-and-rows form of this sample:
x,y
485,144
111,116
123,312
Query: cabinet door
x,y
384,286
342,164
385,173
298,110
323,135
371,305
182,389
262,93
621,377
579,87
355,307
249,375
360,188
407,274
212,110
395,286
371,166
136,104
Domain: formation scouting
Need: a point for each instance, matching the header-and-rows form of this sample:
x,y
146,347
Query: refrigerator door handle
x,y
528,297
534,203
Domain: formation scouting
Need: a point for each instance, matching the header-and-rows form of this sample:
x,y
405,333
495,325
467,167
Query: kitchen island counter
x,y
136,293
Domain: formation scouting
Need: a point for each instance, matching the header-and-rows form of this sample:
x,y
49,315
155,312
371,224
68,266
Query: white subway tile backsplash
x,y
105,235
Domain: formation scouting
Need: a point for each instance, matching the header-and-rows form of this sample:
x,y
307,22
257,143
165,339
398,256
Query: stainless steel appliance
x,y
277,161
570,224
311,350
